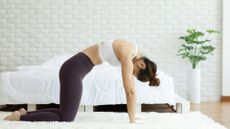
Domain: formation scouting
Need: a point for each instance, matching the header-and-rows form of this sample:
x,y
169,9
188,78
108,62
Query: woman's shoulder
x,y
124,48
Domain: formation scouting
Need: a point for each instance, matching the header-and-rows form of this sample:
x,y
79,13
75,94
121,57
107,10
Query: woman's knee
x,y
68,119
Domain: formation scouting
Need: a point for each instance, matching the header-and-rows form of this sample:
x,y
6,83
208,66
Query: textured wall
x,y
32,31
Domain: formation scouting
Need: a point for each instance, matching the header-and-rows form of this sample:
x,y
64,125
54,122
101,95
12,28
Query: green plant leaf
x,y
182,37
187,47
184,54
212,31
201,42
207,49
190,30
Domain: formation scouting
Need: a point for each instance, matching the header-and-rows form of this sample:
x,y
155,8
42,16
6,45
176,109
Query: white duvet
x,y
103,85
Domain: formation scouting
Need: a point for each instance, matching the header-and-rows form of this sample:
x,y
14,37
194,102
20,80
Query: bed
x,y
39,84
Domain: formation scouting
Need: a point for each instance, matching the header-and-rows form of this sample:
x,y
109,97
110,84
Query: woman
x,y
73,70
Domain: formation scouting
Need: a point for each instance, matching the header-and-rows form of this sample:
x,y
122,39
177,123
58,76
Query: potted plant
x,y
196,48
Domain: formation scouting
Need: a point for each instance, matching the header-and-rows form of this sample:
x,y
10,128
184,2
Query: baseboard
x,y
225,98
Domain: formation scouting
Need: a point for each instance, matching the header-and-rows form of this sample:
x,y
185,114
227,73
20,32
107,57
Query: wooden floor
x,y
219,111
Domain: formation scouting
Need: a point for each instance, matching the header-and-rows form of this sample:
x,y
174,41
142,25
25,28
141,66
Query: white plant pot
x,y
193,84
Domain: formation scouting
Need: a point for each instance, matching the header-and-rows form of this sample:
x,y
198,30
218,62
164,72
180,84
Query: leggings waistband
x,y
77,66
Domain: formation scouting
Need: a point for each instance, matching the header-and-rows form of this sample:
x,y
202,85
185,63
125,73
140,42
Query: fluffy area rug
x,y
111,120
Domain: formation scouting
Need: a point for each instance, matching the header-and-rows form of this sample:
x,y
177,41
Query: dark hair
x,y
149,73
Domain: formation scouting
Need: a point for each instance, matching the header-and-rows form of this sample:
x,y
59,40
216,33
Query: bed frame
x,y
182,106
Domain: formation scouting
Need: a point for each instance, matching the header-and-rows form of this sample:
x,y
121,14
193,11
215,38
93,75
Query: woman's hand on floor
x,y
139,120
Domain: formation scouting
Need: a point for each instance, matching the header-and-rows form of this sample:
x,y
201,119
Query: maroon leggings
x,y
71,74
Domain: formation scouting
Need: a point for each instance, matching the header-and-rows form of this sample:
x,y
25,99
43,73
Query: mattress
x,y
103,85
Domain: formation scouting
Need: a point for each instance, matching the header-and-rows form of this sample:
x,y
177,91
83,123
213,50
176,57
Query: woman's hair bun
x,y
154,82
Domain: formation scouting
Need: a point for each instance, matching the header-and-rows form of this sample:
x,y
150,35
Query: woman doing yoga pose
x,y
118,52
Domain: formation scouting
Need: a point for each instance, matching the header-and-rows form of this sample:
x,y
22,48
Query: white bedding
x,y
103,85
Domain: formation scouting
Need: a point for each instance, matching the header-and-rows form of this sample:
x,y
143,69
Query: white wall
x,y
32,31
226,48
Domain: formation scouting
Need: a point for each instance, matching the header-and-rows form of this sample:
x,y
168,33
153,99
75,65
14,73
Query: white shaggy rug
x,y
110,120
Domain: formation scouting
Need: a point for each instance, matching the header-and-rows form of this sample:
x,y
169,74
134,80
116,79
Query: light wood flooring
x,y
219,111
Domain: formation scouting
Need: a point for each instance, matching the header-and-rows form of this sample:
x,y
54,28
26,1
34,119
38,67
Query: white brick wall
x,y
32,31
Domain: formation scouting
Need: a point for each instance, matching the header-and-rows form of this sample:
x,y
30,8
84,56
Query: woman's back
x,y
110,51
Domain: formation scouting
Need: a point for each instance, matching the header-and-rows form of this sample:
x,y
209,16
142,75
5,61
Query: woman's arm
x,y
127,76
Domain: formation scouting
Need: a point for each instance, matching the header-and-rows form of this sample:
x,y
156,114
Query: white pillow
x,y
51,64
57,61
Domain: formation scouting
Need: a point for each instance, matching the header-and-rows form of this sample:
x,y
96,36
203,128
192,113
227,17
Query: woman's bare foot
x,y
22,111
15,116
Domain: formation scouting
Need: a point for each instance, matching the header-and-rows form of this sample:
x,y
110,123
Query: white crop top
x,y
107,54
